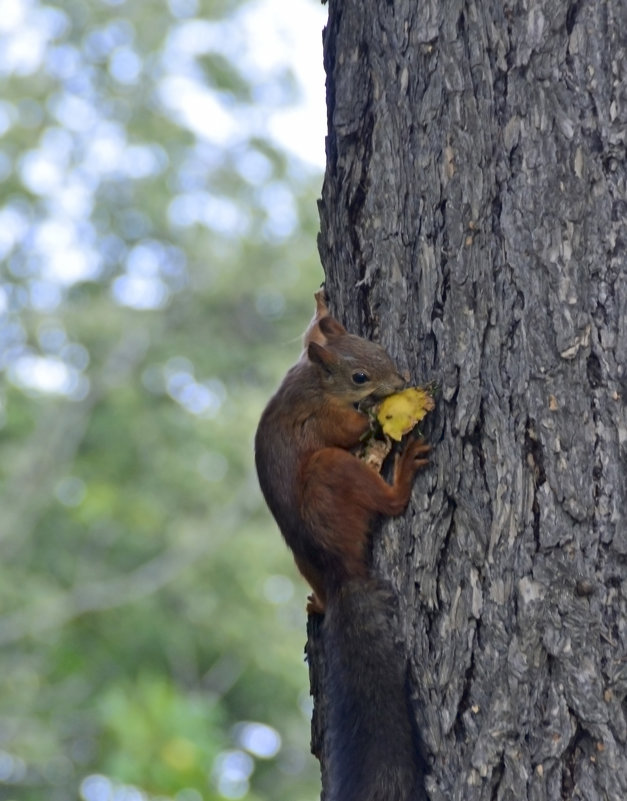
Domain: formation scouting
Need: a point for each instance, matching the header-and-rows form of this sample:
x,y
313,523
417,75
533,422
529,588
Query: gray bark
x,y
473,221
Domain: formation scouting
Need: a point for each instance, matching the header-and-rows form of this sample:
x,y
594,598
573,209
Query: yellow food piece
x,y
399,413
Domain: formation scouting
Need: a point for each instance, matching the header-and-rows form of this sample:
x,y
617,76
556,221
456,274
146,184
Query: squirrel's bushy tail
x,y
371,746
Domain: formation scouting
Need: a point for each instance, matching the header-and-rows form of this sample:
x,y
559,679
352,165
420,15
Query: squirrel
x,y
324,500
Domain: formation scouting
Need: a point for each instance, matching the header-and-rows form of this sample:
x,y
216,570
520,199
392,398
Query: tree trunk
x,y
472,221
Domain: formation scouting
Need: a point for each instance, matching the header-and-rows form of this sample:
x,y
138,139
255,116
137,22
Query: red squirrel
x,y
324,499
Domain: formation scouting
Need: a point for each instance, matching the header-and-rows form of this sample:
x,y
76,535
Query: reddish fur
x,y
339,497
324,499
324,502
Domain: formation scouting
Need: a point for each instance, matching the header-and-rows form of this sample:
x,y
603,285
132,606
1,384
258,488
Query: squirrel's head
x,y
352,368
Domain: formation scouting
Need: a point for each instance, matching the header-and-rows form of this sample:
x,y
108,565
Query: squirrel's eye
x,y
360,378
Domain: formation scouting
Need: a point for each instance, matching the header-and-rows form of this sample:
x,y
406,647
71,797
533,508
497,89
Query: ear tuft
x,y
321,356
330,327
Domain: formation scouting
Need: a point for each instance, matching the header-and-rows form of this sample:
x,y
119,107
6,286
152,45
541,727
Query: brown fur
x,y
324,499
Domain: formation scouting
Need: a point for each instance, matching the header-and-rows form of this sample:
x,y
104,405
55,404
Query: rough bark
x,y
473,221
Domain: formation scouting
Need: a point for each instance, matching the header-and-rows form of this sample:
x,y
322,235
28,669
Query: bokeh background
x,y
159,168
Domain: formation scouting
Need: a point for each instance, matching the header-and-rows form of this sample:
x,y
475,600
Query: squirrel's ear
x,y
321,356
330,327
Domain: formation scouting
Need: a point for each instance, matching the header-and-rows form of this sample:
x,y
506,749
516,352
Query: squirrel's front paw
x,y
419,447
414,454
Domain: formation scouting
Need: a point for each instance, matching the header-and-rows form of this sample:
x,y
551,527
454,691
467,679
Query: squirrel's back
x,y
278,448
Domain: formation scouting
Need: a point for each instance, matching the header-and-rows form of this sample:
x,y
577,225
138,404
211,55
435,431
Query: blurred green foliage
x,y
158,264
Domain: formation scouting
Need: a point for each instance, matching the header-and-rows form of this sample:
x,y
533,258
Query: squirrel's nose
x,y
403,380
